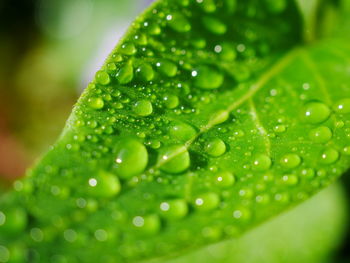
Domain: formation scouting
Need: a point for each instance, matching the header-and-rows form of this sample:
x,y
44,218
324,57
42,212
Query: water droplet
x,y
206,202
102,77
291,160
182,131
214,25
174,209
132,158
128,49
145,72
104,184
167,68
149,224
143,108
206,77
96,103
174,159
126,74
37,234
315,112
321,134
261,162
279,128
241,214
329,156
70,235
262,199
215,147
308,173
178,22
342,106
224,179
171,101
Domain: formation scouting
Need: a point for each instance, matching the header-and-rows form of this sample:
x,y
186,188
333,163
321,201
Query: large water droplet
x,y
182,131
206,77
171,101
174,159
315,112
215,147
128,49
320,134
143,108
126,74
102,77
145,72
96,103
132,158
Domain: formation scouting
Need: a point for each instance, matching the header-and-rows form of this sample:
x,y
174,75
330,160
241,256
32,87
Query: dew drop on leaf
x,y
206,202
206,77
261,162
291,160
215,147
182,131
178,22
321,134
174,159
171,101
329,156
316,112
131,159
102,77
224,179
174,209
342,106
96,103
143,108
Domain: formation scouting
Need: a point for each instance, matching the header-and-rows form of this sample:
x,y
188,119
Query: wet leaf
x,y
208,118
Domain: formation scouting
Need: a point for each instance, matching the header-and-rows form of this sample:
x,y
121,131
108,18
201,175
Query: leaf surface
x,y
207,119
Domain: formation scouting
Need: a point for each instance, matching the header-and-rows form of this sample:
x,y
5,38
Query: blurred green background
x,y
49,51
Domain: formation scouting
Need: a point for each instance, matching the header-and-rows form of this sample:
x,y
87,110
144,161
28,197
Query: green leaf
x,y
293,233
207,119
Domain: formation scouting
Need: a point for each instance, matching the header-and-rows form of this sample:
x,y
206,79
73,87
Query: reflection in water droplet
x,y
321,134
174,209
261,162
206,202
96,103
206,77
329,156
316,112
216,147
182,131
342,106
174,159
224,179
291,160
143,108
132,158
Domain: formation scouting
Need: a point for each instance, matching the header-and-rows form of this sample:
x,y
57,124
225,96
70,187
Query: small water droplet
x,y
102,77
178,22
128,49
145,72
182,131
149,224
171,101
126,74
167,68
214,25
